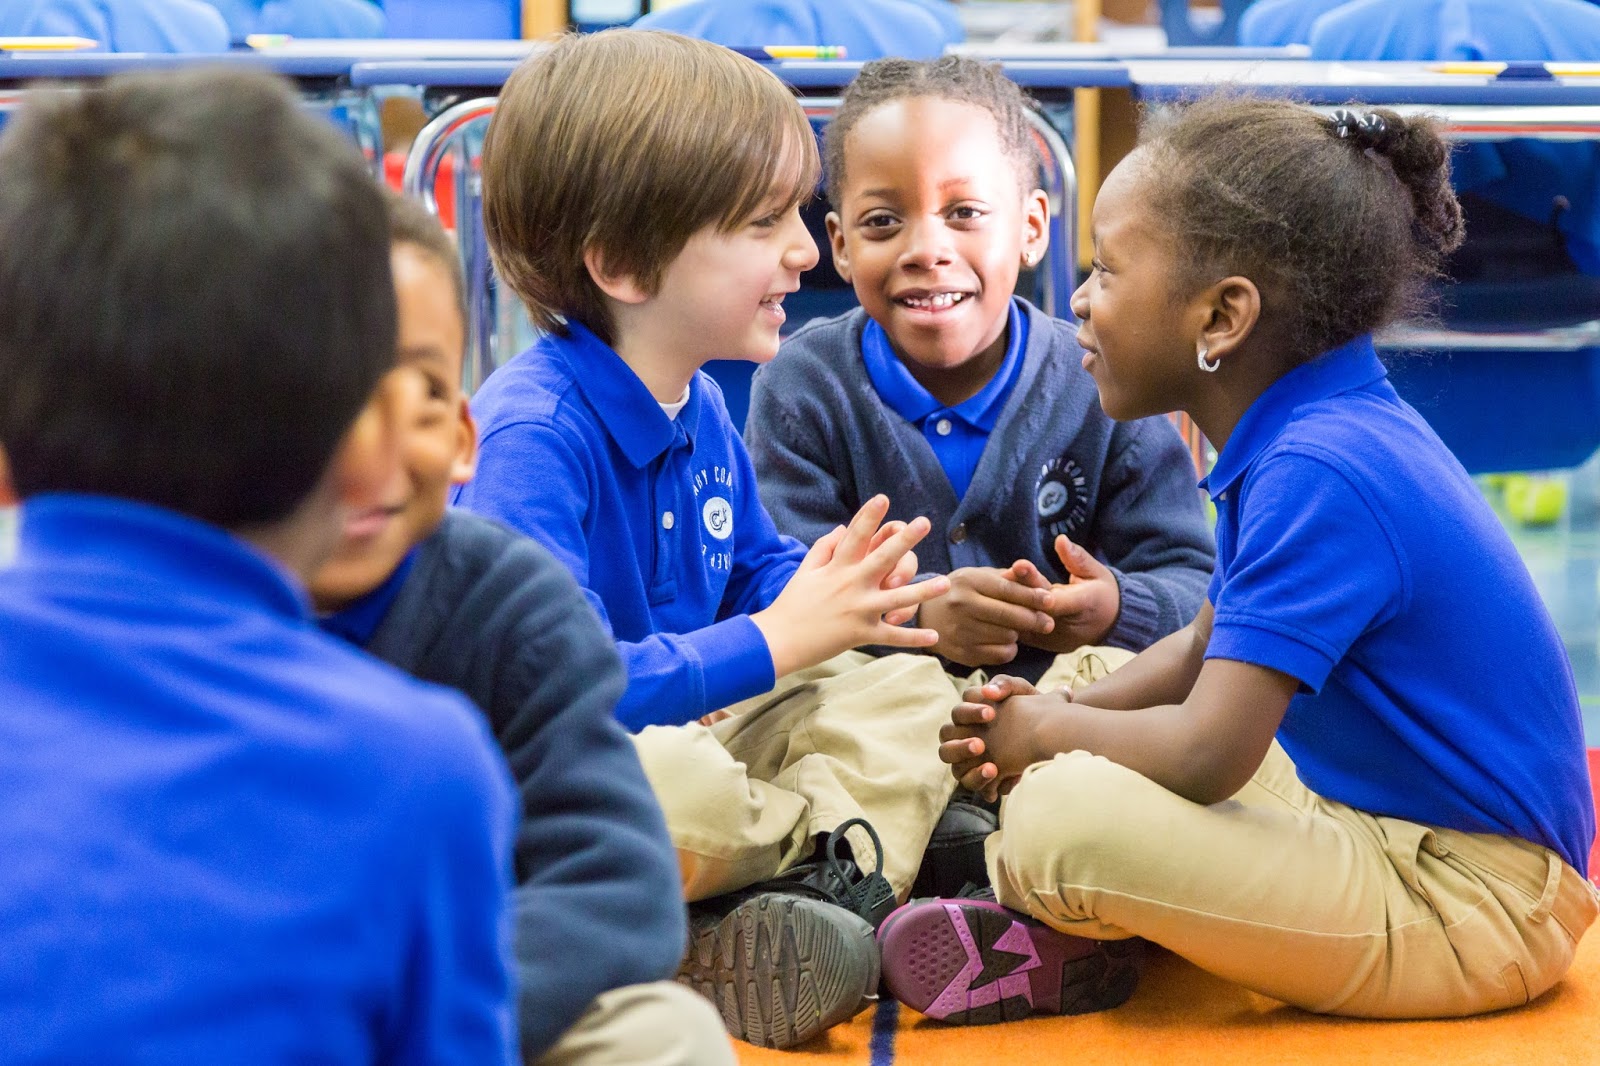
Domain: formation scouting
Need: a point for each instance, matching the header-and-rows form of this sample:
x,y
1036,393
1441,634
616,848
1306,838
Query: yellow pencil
x,y
46,44
805,51
1491,70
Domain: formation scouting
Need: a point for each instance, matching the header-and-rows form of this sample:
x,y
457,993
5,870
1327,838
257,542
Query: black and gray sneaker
x,y
785,960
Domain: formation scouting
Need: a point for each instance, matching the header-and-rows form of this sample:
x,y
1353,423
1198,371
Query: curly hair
x,y
1341,221
958,78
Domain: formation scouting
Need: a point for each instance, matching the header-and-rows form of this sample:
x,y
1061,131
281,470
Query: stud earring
x,y
1027,259
1208,365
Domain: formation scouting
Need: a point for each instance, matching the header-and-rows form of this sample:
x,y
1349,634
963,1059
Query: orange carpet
x,y
1182,1015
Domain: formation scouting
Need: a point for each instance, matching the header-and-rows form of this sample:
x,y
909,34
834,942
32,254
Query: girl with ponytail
x,y
1356,782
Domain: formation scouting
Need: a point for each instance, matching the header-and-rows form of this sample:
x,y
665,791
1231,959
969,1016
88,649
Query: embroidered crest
x,y
718,517
1061,501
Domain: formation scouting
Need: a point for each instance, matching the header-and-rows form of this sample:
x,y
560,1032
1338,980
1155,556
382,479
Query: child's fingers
x,y
886,556
885,531
997,585
892,636
859,534
1024,572
900,617
970,714
821,553
1004,615
958,752
980,778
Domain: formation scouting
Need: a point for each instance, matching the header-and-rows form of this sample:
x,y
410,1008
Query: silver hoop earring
x,y
1209,366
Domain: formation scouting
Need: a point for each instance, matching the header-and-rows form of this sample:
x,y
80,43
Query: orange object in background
x,y
394,166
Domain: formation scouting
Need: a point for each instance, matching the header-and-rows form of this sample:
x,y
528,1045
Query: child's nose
x,y
802,252
1080,301
926,244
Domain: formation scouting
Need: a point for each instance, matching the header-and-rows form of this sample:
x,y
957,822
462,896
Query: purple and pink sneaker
x,y
973,962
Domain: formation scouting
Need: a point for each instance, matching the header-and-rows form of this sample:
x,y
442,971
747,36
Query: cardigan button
x,y
958,534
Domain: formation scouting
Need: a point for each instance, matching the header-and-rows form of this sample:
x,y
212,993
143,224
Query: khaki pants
x,y
1290,894
660,1024
855,737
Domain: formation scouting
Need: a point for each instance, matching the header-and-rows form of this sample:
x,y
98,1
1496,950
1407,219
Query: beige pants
x,y
1293,895
855,737
660,1024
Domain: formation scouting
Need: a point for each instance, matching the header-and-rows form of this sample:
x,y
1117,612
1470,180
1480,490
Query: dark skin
x,y
1197,727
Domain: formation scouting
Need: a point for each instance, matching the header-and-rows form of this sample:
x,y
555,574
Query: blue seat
x,y
867,29
1181,30
477,20
302,18
1277,23
120,25
1533,238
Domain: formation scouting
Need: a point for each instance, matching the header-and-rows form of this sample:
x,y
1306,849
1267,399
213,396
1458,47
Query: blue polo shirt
x,y
656,517
228,837
1356,555
956,434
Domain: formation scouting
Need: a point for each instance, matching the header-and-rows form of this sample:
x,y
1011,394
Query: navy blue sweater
x,y
598,903
823,442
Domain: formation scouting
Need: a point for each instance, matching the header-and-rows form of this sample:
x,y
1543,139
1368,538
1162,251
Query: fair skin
x,y
722,298
437,438
1198,727
933,225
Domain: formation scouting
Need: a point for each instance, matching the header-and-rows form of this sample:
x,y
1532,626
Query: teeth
x,y
937,302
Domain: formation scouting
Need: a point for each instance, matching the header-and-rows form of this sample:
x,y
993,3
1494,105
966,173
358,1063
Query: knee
x,y
1075,812
687,769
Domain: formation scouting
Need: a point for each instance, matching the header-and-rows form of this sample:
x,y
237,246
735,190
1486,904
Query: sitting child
x,y
461,601
1059,528
229,837
1424,853
641,197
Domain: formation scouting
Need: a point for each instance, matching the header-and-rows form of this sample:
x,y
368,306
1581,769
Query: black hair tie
x,y
1368,131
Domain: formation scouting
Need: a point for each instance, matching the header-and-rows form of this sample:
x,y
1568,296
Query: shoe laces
x,y
840,881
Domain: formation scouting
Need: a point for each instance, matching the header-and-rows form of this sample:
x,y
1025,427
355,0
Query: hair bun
x,y
1370,130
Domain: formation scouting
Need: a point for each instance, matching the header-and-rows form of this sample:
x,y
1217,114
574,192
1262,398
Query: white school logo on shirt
x,y
718,517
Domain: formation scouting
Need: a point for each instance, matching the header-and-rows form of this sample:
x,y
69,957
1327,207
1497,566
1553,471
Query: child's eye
x,y
878,220
769,221
966,213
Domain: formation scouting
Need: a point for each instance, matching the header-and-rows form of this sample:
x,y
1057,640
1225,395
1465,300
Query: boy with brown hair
x,y
642,197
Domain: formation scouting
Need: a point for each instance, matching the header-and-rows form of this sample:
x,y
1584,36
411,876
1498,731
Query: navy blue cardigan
x,y
598,903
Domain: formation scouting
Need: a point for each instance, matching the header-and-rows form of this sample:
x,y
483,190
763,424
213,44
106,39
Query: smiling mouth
x,y
371,521
936,301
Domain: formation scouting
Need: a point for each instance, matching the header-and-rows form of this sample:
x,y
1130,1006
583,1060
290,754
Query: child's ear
x,y
466,460
1231,310
621,287
841,258
1035,226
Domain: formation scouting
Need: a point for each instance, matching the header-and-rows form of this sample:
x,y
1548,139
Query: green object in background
x,y
1535,501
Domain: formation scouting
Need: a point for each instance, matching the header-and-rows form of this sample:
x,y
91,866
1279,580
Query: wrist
x,y
779,644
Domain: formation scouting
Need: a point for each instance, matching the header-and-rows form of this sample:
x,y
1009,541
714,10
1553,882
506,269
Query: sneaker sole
x,y
976,963
783,969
